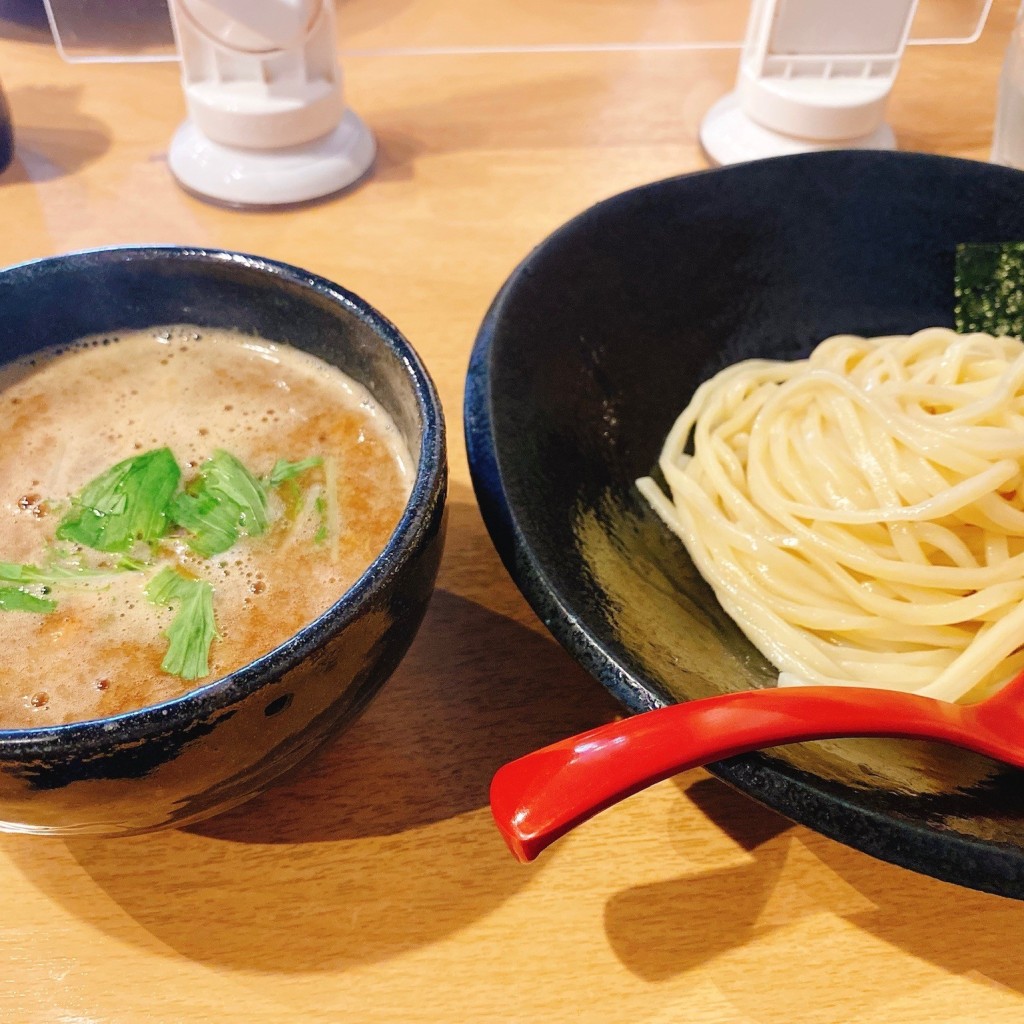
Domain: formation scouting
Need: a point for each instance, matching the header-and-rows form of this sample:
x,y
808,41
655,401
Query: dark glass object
x,y
6,133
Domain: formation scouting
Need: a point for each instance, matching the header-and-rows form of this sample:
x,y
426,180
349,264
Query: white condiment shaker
x,y
1008,139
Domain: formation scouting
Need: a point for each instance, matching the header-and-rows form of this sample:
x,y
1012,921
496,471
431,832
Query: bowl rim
x,y
429,485
800,796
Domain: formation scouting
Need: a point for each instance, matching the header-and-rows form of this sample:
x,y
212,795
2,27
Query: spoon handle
x,y
543,795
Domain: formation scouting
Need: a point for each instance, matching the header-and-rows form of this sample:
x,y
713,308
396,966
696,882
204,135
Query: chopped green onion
x,y
193,628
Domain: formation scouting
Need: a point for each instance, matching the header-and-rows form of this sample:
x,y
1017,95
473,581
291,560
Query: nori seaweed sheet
x,y
988,281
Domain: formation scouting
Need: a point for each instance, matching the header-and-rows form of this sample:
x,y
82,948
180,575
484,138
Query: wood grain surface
x,y
373,887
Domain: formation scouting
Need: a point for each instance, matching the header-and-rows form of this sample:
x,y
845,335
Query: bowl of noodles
x,y
763,444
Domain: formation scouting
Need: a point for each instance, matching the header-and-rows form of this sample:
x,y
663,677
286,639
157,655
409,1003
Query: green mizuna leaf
x,y
127,503
323,530
212,522
285,470
127,564
193,628
17,599
292,497
224,501
139,500
989,288
60,575
226,476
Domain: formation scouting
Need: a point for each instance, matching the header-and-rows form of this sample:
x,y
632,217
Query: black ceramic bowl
x,y
188,758
594,346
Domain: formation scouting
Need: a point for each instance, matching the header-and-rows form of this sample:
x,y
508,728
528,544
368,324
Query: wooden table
x,y
373,887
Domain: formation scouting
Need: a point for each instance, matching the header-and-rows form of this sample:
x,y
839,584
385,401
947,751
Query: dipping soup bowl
x,y
221,743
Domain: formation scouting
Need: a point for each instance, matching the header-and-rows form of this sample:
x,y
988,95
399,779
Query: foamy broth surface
x,y
69,417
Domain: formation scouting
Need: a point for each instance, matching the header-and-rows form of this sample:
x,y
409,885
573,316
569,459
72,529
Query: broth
x,y
70,416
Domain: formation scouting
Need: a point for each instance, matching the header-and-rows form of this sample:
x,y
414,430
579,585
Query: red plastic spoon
x,y
543,795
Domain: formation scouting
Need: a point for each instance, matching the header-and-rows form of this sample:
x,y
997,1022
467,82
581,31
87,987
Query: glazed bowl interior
x,y
221,742
607,328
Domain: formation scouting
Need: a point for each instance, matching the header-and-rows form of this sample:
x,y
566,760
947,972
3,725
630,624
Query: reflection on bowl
x,y
187,758
608,327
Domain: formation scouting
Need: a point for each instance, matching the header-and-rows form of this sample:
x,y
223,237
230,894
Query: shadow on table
x,y
664,929
53,138
477,689
481,691
384,843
